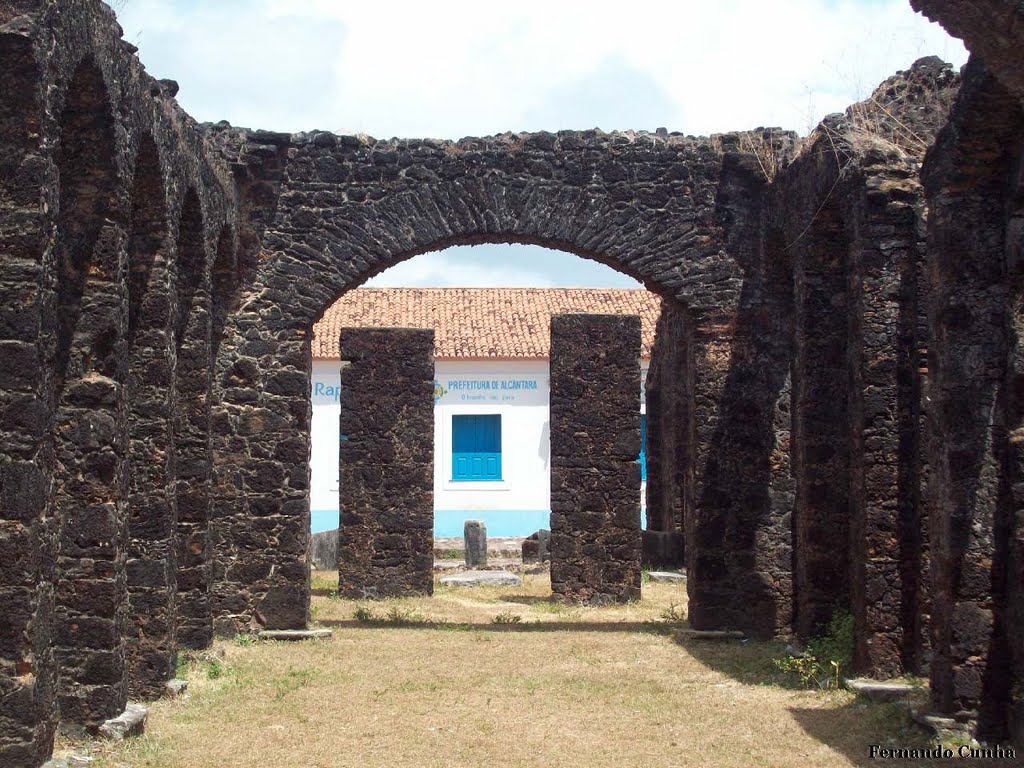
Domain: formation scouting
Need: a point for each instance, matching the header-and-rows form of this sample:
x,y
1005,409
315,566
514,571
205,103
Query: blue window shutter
x,y
642,458
476,447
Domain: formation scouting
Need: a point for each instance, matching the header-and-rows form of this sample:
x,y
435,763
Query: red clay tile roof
x,y
481,322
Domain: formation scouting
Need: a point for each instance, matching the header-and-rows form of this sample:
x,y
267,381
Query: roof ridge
x,y
509,323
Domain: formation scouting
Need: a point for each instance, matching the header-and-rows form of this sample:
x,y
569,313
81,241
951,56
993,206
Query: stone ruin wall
x,y
595,439
975,241
850,209
154,372
668,391
115,228
386,538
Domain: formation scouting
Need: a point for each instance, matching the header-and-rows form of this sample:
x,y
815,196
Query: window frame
x,y
500,452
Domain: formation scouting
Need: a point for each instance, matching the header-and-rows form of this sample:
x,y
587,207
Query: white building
x,y
491,441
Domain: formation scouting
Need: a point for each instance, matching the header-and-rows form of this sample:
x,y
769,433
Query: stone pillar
x,y
28,528
821,423
260,529
192,429
738,542
974,487
475,536
595,439
90,494
885,552
89,429
152,508
669,424
386,540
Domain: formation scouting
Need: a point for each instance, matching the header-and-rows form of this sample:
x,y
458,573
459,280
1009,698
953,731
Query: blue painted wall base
x,y
448,522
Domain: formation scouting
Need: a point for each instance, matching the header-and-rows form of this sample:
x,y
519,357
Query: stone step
x,y
667,577
882,691
295,634
482,579
131,722
940,726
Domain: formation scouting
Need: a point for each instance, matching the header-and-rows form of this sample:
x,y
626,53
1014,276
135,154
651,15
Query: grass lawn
x,y
458,680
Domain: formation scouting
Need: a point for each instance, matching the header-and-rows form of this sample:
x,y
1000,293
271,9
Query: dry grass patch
x,y
562,686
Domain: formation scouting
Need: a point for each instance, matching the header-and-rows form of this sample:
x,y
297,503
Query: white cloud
x,y
444,269
453,68
501,265
457,68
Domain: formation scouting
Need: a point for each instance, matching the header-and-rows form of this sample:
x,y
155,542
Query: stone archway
x,y
679,214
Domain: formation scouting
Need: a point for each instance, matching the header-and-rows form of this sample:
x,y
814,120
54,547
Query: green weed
x,y
215,669
827,657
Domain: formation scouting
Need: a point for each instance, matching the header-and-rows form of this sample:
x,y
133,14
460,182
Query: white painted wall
x,y
518,390
488,387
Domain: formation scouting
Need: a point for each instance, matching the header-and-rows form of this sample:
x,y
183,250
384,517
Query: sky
x,y
448,69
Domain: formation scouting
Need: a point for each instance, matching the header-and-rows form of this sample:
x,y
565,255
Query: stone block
x,y
474,533
595,440
131,722
385,546
482,579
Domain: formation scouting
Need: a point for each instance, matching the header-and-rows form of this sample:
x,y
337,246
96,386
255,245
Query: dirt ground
x,y
501,676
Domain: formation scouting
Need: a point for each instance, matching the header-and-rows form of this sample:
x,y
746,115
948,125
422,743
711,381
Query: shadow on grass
x,y
629,627
750,662
850,729
854,728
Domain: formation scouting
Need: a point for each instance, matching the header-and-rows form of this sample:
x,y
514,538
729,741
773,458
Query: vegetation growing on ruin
x,y
827,658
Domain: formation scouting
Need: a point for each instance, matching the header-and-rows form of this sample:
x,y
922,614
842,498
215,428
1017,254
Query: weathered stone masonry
x,y
975,240
344,208
159,282
595,478
386,539
850,212
97,159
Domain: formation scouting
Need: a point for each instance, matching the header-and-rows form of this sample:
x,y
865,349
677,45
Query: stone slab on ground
x,y
176,687
700,634
667,577
483,579
295,635
942,727
131,722
882,691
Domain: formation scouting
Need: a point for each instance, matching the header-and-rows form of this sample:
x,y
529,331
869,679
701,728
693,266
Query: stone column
x,y
821,423
152,508
89,429
28,529
386,539
885,545
669,424
193,456
595,439
475,536
90,494
974,490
